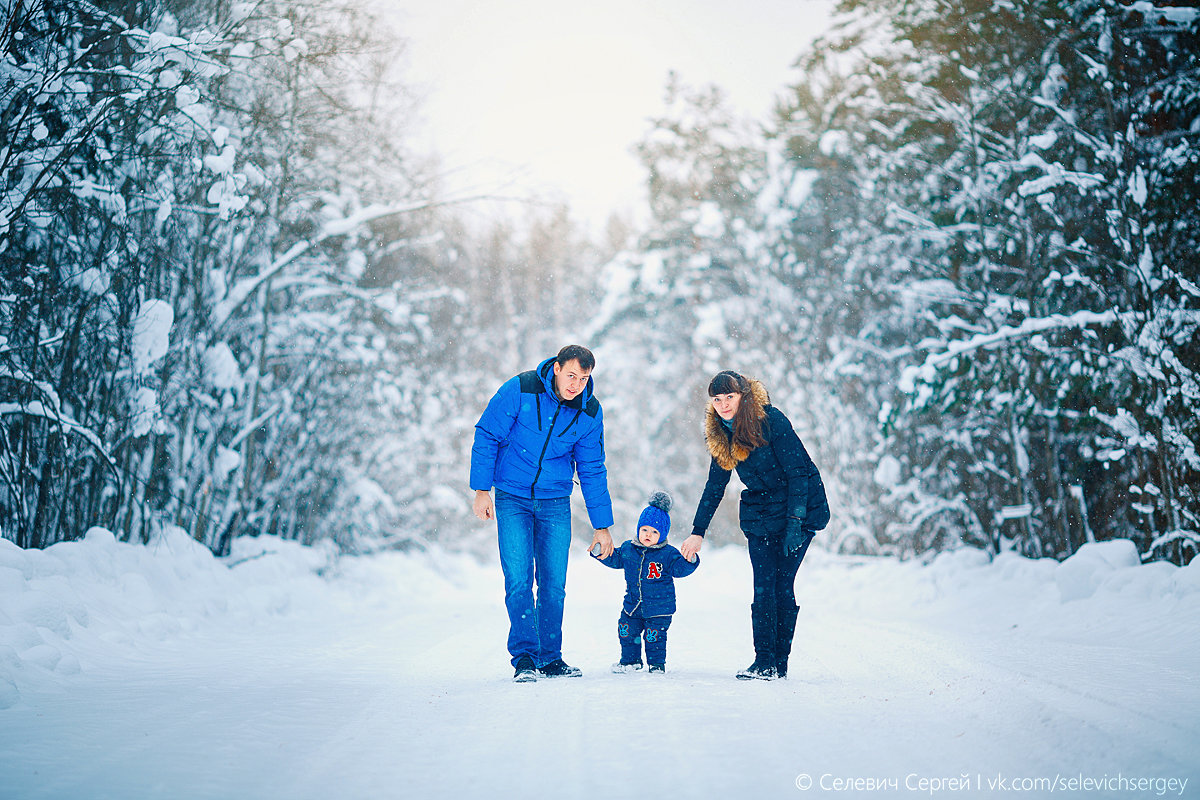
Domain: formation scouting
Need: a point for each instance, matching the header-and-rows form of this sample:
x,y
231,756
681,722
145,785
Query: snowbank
x,y
61,606
1098,573
306,676
1080,575
1103,593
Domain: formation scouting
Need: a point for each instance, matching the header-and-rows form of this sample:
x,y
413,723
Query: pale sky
x,y
549,96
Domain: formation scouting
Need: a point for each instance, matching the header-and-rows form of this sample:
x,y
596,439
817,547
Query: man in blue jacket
x,y
539,430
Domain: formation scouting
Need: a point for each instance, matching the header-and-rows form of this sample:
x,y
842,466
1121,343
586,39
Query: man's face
x,y
570,379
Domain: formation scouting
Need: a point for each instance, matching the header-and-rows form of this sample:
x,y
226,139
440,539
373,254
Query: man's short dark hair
x,y
576,352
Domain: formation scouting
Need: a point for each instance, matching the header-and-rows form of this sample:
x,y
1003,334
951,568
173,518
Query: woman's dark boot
x,y
758,672
763,625
783,639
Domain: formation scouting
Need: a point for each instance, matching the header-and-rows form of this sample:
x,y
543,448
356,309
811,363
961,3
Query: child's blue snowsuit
x,y
650,574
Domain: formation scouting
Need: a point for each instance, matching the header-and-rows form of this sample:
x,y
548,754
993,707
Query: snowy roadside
x,y
160,671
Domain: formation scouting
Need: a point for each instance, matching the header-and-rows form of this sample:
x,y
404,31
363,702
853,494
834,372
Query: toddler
x,y
651,566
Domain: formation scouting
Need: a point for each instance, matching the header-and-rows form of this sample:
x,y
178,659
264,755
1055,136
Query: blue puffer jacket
x,y
530,443
650,574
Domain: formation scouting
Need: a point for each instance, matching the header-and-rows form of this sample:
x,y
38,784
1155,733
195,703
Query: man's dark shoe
x,y
658,668
560,669
526,671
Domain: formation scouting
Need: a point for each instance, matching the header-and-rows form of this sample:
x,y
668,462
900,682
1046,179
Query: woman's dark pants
x,y
773,612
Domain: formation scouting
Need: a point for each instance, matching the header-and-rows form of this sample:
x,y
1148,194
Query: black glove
x,y
796,536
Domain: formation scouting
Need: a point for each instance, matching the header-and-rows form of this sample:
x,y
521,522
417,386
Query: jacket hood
x,y
720,442
545,371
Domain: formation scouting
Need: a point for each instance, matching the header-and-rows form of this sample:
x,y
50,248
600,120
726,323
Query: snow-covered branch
x,y
254,425
1029,327
243,289
36,408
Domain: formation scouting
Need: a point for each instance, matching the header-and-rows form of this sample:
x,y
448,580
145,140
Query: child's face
x,y
648,535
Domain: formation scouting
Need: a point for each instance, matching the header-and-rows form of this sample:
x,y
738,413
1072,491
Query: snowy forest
x,y
962,255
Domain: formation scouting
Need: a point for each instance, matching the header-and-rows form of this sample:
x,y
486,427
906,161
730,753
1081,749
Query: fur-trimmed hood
x,y
720,443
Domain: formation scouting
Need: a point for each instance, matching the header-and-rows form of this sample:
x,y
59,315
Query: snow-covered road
x,y
388,678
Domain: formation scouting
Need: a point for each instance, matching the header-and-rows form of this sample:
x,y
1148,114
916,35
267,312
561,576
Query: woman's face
x,y
726,405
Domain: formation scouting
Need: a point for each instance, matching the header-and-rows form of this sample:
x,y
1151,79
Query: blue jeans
x,y
535,538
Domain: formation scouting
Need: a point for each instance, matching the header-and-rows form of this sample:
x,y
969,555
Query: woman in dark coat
x,y
782,506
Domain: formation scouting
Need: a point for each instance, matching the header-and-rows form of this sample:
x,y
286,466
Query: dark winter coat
x,y
530,443
650,574
783,487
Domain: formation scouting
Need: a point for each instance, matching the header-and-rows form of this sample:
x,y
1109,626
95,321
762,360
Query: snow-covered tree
x,y
1029,348
97,118
194,205
685,301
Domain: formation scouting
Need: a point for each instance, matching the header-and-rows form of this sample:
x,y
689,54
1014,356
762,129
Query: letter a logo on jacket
x,y
654,570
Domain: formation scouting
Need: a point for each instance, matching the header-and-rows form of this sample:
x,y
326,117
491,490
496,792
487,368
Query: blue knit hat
x,y
657,515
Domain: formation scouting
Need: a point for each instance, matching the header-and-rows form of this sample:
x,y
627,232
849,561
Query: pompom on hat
x,y
657,515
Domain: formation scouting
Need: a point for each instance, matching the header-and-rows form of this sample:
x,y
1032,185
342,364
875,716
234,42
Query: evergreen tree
x,y
1001,262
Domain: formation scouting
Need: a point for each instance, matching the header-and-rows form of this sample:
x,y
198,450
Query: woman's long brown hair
x,y
747,422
